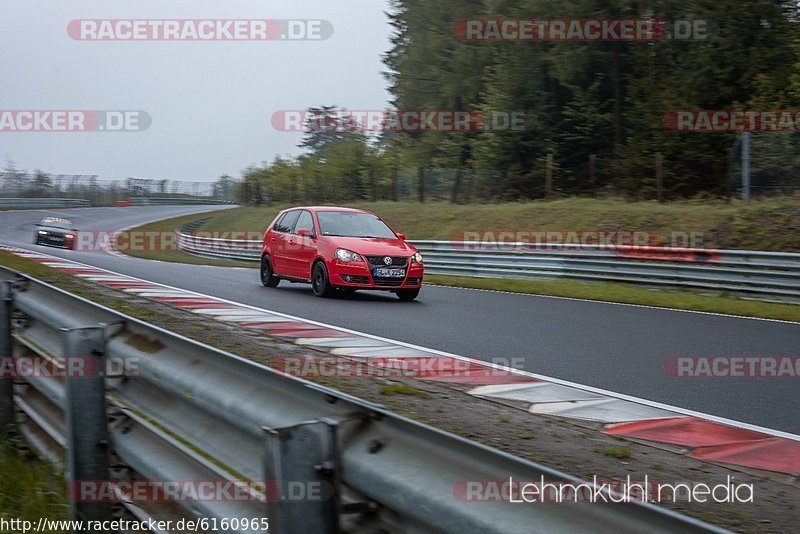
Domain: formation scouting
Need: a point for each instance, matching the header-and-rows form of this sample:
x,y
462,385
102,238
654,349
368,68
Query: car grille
x,y
388,282
53,238
397,261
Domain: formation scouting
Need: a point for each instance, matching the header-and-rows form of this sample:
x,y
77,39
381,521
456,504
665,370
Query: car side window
x,y
278,226
286,223
305,221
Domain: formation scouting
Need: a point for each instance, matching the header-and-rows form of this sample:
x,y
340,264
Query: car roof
x,y
55,220
327,208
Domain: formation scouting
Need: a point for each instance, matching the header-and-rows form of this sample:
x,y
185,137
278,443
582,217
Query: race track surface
x,y
614,347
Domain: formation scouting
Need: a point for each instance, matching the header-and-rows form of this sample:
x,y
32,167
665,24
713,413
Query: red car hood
x,y
374,246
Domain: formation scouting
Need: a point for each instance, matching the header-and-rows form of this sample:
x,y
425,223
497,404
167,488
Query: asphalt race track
x,y
614,347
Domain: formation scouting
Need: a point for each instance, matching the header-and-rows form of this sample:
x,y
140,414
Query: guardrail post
x,y
87,426
6,358
302,475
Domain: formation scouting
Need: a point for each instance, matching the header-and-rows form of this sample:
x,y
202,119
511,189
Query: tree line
x,y
594,110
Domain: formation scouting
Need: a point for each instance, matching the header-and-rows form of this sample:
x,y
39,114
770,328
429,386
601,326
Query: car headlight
x,y
416,258
69,236
42,232
346,256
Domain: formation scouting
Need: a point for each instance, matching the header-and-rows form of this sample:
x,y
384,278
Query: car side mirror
x,y
402,236
305,232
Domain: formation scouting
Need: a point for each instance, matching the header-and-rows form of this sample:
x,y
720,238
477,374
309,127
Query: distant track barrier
x,y
169,201
42,203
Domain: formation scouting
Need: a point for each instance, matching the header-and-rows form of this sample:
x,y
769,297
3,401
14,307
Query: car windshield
x,y
56,223
352,224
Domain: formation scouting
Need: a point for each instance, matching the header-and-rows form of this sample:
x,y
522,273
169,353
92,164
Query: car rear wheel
x,y
268,278
407,294
320,282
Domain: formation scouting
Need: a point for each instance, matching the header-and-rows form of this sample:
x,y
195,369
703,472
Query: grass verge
x,y
627,294
29,488
181,257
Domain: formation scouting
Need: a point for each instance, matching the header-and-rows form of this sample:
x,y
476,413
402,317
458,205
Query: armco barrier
x,y
753,274
174,201
191,412
168,201
42,203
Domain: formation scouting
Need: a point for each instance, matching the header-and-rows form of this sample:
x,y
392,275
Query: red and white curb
x,y
704,436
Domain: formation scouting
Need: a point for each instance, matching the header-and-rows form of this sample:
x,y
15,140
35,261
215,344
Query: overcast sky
x,y
210,102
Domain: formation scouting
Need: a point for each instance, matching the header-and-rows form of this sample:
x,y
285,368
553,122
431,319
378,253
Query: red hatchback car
x,y
339,250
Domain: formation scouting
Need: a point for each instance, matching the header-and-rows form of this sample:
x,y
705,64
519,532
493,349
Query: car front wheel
x,y
320,282
268,278
407,294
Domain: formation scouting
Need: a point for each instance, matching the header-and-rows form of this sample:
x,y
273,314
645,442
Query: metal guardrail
x,y
212,247
191,412
170,201
754,274
42,203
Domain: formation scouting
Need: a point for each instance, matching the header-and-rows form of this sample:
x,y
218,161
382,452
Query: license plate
x,y
389,273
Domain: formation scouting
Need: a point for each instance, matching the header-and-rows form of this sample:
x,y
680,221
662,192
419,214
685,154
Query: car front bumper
x,y
358,275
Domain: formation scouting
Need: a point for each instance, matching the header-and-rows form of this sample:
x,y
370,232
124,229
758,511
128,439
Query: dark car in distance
x,y
55,232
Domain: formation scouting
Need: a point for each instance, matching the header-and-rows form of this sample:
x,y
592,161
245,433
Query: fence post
x,y
6,356
660,176
746,167
87,426
456,186
395,184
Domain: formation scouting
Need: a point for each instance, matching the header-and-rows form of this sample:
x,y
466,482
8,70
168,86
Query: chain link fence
x,y
765,164
19,184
